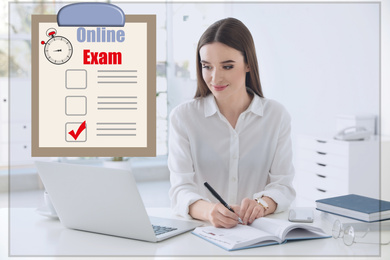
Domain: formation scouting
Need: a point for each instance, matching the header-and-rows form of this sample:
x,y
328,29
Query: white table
x,y
34,235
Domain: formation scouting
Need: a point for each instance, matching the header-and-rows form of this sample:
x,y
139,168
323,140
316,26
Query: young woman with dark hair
x,y
229,135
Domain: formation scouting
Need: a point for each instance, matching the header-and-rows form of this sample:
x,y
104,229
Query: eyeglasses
x,y
348,234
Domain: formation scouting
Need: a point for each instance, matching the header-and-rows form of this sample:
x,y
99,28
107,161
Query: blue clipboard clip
x,y
91,14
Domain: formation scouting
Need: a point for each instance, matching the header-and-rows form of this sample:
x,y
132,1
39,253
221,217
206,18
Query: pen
x,y
216,195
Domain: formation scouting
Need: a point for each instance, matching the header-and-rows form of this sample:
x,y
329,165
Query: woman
x,y
230,136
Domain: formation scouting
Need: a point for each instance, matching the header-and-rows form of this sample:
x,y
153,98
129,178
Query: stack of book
x,y
356,207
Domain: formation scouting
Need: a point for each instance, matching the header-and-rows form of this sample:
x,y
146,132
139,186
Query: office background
x,y
320,60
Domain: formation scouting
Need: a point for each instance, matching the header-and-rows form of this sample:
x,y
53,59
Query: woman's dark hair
x,y
235,34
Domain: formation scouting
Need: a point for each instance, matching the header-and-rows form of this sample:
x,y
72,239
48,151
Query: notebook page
x,y
239,236
273,226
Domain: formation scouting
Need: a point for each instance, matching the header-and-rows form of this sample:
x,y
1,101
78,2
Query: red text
x,y
102,58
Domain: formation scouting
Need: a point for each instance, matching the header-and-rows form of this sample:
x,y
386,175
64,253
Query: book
x,y
356,207
262,232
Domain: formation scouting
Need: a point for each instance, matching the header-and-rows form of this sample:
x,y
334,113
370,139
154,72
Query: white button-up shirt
x,y
253,159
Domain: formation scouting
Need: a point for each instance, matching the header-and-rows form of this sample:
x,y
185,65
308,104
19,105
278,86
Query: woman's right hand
x,y
217,214
221,217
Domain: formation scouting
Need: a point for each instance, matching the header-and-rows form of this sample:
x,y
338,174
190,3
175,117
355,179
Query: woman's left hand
x,y
250,210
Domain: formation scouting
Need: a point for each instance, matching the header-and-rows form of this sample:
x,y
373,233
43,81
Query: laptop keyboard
x,y
158,230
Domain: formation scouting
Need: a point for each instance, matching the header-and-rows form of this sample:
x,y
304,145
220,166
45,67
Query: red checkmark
x,y
81,128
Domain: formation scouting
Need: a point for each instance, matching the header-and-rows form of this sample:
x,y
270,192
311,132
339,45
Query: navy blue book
x,y
356,207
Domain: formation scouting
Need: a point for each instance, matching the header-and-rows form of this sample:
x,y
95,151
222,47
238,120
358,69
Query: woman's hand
x,y
220,216
216,214
251,210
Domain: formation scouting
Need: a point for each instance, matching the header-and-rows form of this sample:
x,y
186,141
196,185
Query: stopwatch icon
x,y
58,50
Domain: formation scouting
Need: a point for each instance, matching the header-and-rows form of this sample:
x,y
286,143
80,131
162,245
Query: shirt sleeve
x,y
281,174
184,190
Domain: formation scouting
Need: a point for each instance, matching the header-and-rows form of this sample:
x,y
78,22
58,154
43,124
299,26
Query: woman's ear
x,y
247,68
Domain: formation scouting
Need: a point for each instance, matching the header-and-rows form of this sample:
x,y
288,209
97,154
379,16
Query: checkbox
x,y
74,132
75,105
76,79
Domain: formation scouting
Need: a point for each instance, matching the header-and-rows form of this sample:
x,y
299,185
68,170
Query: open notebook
x,y
262,232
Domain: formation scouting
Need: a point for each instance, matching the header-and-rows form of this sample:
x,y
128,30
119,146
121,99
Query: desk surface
x,y
31,234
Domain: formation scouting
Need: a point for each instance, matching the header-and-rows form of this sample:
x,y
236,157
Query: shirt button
x,y
234,179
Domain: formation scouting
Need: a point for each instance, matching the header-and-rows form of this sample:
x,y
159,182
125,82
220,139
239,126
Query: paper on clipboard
x,y
93,89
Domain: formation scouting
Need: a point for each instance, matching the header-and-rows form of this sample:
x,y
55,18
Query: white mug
x,y
48,203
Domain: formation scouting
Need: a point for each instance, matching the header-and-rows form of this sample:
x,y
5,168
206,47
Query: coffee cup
x,y
48,203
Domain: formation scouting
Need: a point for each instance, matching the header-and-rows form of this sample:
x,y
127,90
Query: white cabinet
x,y
326,167
17,128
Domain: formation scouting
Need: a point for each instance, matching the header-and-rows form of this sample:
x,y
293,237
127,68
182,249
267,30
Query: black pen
x,y
216,195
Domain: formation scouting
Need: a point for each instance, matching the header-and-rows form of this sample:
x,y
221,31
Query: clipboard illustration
x,y
93,82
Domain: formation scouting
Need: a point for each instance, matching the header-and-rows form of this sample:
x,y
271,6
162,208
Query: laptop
x,y
105,201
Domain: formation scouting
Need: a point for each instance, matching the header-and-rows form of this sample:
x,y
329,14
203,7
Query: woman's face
x,y
223,70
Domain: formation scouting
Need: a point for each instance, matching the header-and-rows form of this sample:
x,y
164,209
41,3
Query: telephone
x,y
353,133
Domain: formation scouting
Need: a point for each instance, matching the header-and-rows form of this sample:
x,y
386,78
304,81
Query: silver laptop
x,y
105,201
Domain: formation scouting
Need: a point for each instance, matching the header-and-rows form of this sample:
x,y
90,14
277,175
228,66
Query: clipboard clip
x,y
91,14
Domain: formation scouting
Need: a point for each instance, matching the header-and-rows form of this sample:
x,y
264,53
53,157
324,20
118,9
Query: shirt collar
x,y
211,107
256,105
